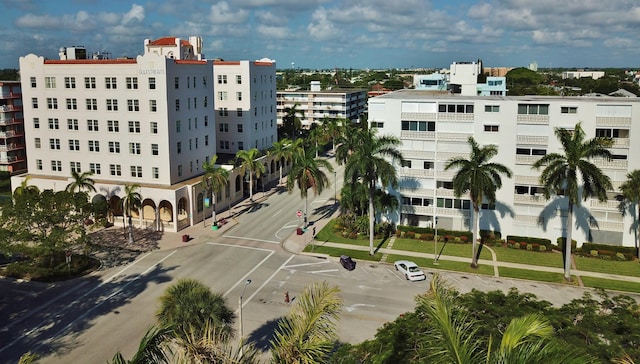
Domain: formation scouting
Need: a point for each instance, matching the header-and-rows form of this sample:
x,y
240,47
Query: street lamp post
x,y
246,283
335,188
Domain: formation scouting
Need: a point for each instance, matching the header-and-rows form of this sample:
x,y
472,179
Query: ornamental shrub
x,y
593,253
542,248
530,247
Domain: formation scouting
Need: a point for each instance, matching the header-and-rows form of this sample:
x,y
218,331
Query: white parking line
x,y
394,273
307,264
252,239
323,271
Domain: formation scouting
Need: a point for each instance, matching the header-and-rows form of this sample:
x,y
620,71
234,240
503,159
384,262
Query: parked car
x,y
410,270
347,262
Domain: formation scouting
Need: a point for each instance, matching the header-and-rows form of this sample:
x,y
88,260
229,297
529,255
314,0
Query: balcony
x,y
11,146
417,135
612,164
9,121
621,142
532,139
527,159
8,108
532,119
527,199
613,121
11,134
417,173
11,159
607,205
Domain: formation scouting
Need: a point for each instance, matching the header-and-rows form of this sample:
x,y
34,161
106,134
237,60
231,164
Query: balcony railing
x,y
11,159
532,139
607,205
621,142
529,199
532,119
527,159
420,173
11,146
8,121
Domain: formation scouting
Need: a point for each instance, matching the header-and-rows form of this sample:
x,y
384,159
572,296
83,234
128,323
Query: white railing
x,y
530,199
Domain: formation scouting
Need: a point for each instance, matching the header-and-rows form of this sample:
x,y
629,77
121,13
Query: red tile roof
x,y
167,41
91,61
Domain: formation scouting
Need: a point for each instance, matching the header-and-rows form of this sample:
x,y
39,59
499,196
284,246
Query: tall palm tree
x,y
332,128
152,348
189,305
481,179
631,196
291,121
132,201
455,338
306,173
563,171
249,163
348,139
213,179
81,182
283,151
25,187
307,334
368,164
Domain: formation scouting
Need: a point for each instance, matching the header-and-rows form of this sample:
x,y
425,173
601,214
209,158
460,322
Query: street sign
x,y
299,213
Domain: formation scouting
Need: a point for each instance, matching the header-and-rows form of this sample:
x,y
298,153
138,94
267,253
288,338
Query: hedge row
x,y
420,231
529,240
588,247
528,246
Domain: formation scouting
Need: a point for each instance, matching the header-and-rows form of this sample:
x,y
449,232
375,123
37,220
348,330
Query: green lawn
x,y
628,268
611,284
531,275
452,249
546,259
327,234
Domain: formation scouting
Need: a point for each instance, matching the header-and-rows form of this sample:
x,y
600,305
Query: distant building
x,y
317,104
12,147
497,71
533,66
581,74
461,78
433,82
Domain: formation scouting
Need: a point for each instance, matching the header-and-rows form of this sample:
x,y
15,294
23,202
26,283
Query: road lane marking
x,y
244,278
323,271
240,246
307,264
276,214
244,302
252,239
355,306
72,323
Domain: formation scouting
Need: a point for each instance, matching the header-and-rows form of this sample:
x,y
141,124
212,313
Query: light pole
x,y
335,188
246,283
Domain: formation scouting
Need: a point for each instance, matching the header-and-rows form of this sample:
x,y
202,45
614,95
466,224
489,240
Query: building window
x,y
239,96
49,82
75,167
224,144
69,82
136,171
154,127
239,79
133,105
33,82
178,126
222,79
206,101
240,128
72,124
54,144
419,125
155,172
134,127
115,169
177,104
239,112
456,108
533,109
179,147
90,82
204,81
134,148
110,83
176,82
375,124
569,109
240,145
37,143
491,128
491,108
92,104
52,103
405,163
223,127
92,125
112,105
34,102
95,168
39,164
113,126
223,111
132,83
72,104
54,124
56,166
94,146
154,149
114,147
36,123
152,83
222,95
179,170
206,120
427,165
152,105
74,145
529,151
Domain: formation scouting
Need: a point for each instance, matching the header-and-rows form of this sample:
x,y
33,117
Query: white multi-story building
x,y
318,104
148,121
434,127
245,100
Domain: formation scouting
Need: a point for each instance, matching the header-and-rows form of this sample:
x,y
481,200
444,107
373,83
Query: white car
x,y
410,270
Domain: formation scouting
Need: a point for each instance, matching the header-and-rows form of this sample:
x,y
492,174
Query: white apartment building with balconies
x,y
434,127
245,101
147,120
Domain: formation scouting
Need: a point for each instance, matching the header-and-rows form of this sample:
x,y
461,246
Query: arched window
x,y
200,202
238,184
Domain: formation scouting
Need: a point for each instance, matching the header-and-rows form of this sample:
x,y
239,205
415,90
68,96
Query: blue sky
x,y
337,33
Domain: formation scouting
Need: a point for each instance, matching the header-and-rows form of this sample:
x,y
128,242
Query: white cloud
x,y
222,13
273,32
321,28
136,12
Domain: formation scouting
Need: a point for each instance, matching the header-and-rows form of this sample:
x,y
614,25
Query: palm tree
x,y
455,338
188,305
349,139
316,138
291,121
307,334
151,350
249,162
306,173
81,181
481,179
333,129
369,165
283,152
631,196
213,179
562,172
25,187
132,201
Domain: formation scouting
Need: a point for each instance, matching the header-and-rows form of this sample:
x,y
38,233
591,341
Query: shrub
x,y
410,235
560,241
621,256
529,247
542,248
515,245
523,245
399,234
593,253
457,239
353,235
464,239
